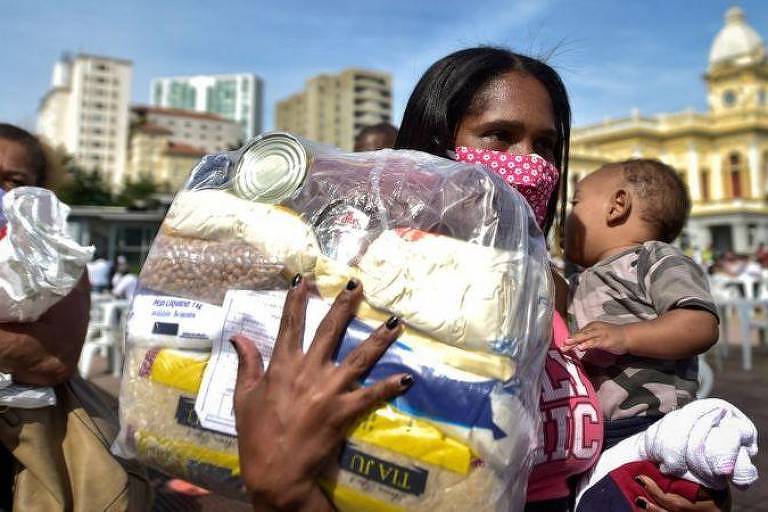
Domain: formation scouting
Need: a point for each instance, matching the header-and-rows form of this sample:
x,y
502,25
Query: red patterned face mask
x,y
531,175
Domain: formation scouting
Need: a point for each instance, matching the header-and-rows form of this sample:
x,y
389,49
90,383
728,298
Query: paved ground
x,y
746,390
749,392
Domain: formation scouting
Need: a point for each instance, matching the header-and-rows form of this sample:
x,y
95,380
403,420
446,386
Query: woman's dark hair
x,y
36,156
448,90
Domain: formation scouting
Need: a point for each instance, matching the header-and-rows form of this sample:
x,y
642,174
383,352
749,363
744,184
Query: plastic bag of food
x,y
448,247
39,265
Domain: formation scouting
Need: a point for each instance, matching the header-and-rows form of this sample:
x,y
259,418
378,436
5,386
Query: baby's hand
x,y
599,335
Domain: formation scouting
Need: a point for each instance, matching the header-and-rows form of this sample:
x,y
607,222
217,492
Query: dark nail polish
x,y
351,285
641,503
639,481
392,322
407,381
296,280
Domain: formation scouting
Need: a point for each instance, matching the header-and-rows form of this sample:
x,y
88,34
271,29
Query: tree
x,y
137,193
84,188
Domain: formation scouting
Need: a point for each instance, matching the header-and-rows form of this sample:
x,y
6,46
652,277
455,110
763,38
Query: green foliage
x,y
83,188
137,192
88,188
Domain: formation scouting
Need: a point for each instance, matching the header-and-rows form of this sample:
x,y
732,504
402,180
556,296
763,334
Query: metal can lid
x,y
271,168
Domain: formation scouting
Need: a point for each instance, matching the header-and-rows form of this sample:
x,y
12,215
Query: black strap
x,y
7,474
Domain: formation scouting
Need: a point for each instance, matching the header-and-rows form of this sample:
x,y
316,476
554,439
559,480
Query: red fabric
x,y
3,231
624,476
572,422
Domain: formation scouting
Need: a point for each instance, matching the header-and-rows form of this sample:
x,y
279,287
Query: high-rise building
x,y
86,112
722,154
238,97
334,108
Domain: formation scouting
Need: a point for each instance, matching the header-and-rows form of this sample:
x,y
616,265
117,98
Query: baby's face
x,y
585,227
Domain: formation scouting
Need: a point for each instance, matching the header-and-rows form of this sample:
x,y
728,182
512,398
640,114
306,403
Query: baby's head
x,y
624,203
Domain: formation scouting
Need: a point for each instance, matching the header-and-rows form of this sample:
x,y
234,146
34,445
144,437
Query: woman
x,y
469,102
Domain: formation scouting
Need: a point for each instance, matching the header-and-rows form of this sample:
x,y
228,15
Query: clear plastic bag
x,y
448,247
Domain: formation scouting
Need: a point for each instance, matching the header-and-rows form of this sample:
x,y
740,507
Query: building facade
x,y
722,154
153,154
86,113
334,108
209,132
237,97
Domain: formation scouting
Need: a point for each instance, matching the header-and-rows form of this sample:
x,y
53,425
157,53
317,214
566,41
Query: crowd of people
x,y
475,105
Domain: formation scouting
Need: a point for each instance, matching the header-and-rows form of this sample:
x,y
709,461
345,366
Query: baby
x,y
640,311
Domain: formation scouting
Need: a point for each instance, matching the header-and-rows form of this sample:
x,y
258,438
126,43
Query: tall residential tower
x,y
86,112
334,108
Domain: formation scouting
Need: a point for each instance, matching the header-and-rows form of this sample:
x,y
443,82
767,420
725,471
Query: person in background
x,y
98,272
378,136
762,255
124,282
45,352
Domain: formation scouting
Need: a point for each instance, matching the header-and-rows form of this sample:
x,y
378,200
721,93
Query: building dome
x,y
737,42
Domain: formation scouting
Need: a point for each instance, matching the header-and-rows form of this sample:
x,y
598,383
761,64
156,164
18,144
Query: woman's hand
x,y
665,502
293,418
46,352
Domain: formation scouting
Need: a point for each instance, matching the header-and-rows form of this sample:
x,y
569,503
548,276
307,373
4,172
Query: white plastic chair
x,y
104,334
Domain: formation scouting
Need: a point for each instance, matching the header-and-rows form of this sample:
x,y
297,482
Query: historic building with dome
x,y
722,154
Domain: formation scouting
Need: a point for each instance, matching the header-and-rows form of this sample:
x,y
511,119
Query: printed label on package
x,y
256,315
409,480
156,316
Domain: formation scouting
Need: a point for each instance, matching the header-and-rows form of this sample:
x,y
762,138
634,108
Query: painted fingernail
x,y
639,481
641,503
407,381
352,284
296,280
392,322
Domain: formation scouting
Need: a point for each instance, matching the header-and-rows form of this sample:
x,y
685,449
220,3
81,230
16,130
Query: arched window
x,y
736,177
704,184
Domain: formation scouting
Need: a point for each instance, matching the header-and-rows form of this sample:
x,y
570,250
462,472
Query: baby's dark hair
x,y
664,194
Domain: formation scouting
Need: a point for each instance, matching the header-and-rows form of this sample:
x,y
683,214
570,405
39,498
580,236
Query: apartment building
x,y
237,97
334,108
86,112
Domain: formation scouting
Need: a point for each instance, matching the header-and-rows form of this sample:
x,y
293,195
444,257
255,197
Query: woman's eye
x,y
546,147
497,136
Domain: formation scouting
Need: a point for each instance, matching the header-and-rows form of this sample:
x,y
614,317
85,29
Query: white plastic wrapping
x,y
448,247
39,265
39,262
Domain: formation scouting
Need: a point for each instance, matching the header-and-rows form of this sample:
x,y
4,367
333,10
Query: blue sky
x,y
613,55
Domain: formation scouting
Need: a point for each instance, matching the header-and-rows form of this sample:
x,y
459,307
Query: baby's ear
x,y
619,208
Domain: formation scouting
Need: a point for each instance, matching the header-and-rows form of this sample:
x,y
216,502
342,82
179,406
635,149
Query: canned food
x,y
272,167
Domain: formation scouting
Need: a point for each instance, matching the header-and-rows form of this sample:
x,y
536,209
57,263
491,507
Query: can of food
x,y
273,166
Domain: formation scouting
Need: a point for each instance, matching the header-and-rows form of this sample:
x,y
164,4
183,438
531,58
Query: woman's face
x,y
15,168
513,113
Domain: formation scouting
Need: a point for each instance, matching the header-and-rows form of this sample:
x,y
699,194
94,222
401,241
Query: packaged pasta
x,y
449,248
